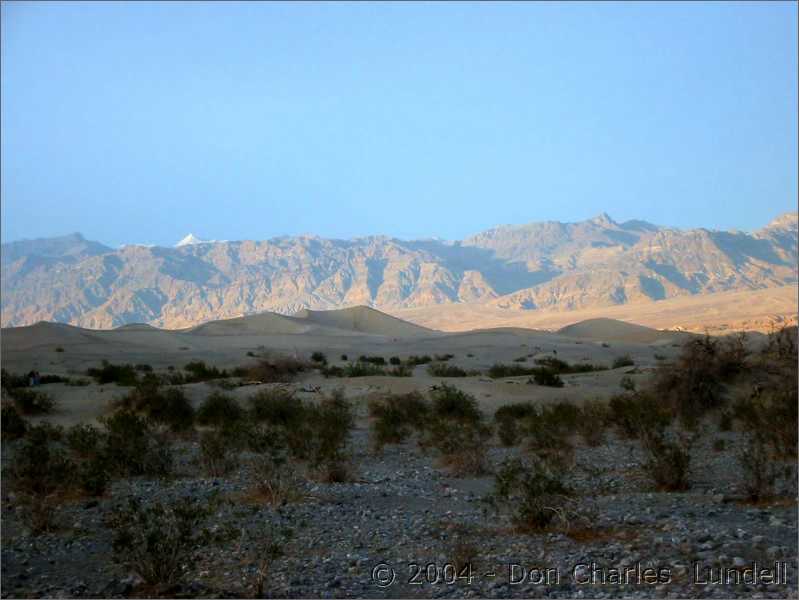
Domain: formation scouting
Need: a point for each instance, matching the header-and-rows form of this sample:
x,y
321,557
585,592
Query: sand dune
x,y
363,320
266,323
613,329
45,334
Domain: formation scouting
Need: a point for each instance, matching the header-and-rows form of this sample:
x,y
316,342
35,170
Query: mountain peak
x,y
603,219
190,240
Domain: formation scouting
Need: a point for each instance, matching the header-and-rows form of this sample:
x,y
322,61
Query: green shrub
x,y
507,419
758,468
547,378
217,455
448,402
331,422
445,370
362,369
396,416
533,494
132,448
395,360
592,422
400,371
198,371
277,369
276,481
500,371
143,368
319,358
414,360
562,367
443,357
169,407
156,540
30,402
623,361
627,384
84,439
668,460
9,381
374,360
219,409
277,406
634,414
13,425
110,373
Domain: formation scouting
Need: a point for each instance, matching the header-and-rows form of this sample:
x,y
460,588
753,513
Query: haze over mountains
x,y
538,266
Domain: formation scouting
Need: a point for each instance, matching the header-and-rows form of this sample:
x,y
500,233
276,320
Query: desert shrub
x,y
400,371
319,358
635,413
448,402
276,369
77,382
110,373
438,369
547,377
455,427
593,421
175,410
277,406
668,460
45,379
520,359
198,371
725,421
218,409
344,358
719,444
46,432
534,495
84,439
362,369
40,473
758,468
30,402
396,416
332,371
276,481
157,539
331,422
9,381
168,407
507,420
782,344
443,357
623,361
374,360
693,384
500,371
143,368
562,367
414,360
394,360
217,455
132,448
13,425
93,475
772,414
627,384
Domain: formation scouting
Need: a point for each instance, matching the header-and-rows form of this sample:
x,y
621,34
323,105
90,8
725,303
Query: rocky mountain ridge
x,y
549,265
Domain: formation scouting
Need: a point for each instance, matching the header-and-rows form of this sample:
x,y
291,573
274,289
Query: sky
x,y
137,122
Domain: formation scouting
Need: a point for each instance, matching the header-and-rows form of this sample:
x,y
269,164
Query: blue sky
x,y
136,122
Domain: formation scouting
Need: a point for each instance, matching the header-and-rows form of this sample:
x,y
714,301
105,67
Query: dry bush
x,y
534,495
218,456
277,369
276,481
758,468
396,416
668,460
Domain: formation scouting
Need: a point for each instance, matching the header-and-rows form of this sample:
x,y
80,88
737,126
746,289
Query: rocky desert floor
x,y
402,524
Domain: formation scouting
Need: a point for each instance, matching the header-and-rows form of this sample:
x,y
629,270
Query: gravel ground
x,y
393,531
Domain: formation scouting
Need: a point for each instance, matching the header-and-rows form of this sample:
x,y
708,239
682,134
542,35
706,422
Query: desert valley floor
x,y
402,522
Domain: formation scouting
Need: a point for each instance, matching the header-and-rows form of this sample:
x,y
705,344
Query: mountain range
x,y
536,266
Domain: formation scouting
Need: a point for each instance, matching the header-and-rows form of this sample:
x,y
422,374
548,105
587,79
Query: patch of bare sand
x,y
753,310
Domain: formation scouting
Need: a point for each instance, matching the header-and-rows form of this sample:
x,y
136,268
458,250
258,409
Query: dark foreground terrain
x,y
682,483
